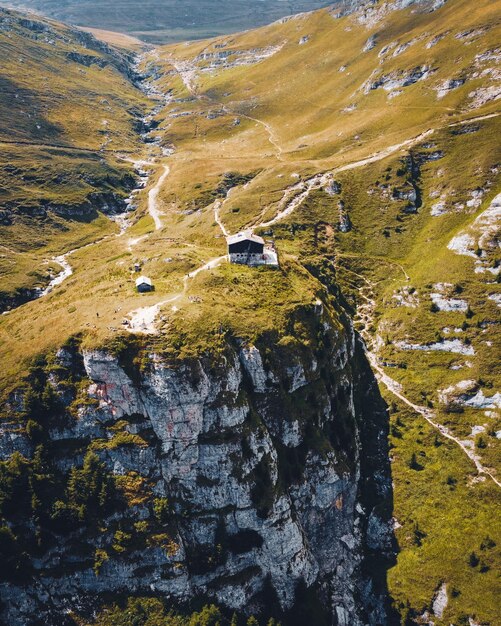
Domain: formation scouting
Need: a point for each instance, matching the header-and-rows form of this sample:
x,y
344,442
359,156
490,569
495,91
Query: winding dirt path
x,y
271,136
304,188
313,182
153,197
318,180
382,154
268,128
142,320
365,317
294,195
210,265
471,120
62,259
187,71
217,217
396,389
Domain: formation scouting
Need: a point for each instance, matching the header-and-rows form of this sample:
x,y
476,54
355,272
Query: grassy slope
x,y
293,121
121,40
61,122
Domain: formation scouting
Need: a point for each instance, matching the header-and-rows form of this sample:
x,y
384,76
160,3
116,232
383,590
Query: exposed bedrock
x,y
273,459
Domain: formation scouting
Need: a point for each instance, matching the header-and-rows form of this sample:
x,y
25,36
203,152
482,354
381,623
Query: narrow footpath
x,y
365,318
153,196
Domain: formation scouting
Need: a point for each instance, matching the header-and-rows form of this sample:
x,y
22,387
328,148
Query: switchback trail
x,y
295,195
317,180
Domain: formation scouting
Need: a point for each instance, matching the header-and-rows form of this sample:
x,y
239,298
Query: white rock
x,y
448,304
250,357
495,297
448,345
440,601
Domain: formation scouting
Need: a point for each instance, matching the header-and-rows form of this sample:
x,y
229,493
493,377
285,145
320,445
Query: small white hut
x,y
143,283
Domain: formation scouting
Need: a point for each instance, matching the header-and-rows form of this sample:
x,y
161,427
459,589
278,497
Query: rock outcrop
x,y
273,461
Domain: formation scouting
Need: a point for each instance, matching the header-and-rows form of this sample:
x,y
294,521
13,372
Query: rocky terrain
x,y
261,487
313,443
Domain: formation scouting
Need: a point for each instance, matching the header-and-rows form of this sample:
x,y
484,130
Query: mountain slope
x,y
369,117
363,140
67,105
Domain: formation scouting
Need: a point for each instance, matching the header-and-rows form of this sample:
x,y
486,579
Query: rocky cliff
x,y
250,478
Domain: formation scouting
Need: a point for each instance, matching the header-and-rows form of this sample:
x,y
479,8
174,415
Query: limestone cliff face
x,y
273,461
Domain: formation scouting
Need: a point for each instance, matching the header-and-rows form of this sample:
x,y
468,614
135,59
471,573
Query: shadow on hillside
x,y
15,123
375,491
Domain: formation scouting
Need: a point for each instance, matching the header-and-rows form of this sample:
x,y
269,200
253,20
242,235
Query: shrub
x,y
161,510
34,431
64,516
121,541
413,463
91,487
480,442
15,488
418,535
100,557
208,616
487,544
451,481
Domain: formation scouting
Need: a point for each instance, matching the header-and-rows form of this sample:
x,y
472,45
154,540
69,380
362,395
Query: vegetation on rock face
x,y
88,504
151,612
38,504
43,503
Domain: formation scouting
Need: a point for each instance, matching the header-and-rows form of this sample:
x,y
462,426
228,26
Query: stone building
x,y
247,248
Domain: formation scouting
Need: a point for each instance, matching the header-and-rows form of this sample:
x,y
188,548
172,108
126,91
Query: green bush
x,y
161,510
